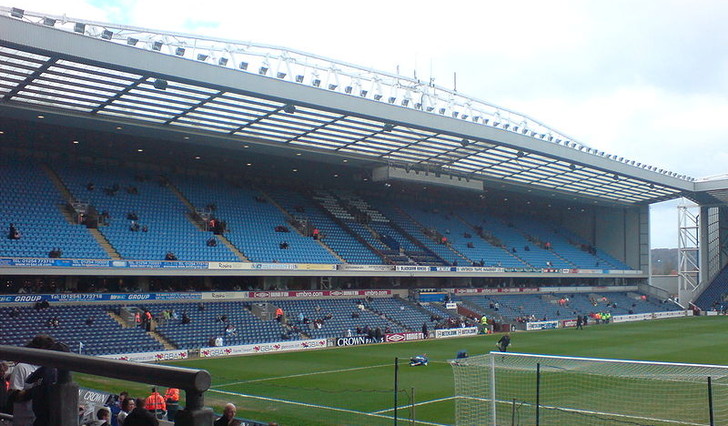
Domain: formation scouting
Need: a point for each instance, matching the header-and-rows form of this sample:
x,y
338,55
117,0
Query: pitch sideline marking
x,y
324,407
299,375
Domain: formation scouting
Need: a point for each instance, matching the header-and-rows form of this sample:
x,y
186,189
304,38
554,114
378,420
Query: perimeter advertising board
x,y
455,332
287,346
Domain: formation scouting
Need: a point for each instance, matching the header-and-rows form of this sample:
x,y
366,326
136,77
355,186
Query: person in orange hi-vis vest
x,y
172,399
156,405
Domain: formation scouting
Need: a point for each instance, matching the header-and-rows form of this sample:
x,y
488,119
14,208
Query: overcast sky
x,y
644,79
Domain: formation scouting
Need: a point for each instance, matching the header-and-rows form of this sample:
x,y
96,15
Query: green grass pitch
x,y
354,385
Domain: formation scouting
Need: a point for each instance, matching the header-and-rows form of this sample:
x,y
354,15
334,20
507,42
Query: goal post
x,y
516,389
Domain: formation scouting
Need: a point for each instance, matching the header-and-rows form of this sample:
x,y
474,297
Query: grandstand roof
x,y
78,72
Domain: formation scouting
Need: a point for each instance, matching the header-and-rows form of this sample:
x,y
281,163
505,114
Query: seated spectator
x,y
228,417
90,186
134,227
526,248
132,216
316,234
185,318
470,244
13,233
281,228
145,228
103,417
140,415
55,253
212,242
283,245
170,256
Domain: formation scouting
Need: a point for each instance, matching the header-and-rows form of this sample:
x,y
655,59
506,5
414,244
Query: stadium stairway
x,y
192,213
292,220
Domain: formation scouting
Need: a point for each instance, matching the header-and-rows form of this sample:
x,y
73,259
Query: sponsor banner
x,y
225,295
317,293
455,332
522,270
97,297
354,341
345,267
89,402
466,291
650,316
542,325
568,323
711,313
150,356
451,305
178,296
228,265
479,269
443,268
295,345
403,337
412,268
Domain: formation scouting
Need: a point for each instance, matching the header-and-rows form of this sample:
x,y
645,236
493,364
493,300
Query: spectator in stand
x,y
228,416
170,256
13,233
127,405
20,389
315,233
185,318
212,242
140,416
156,405
283,245
103,417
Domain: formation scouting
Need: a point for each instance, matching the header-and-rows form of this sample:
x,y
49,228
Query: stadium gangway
x,y
64,394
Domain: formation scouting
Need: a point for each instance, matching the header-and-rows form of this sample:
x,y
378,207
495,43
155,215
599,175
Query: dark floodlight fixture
x,y
476,118
107,35
455,114
180,51
615,177
281,75
405,102
202,57
430,109
363,93
392,99
418,105
464,142
289,108
377,97
243,66
131,41
222,61
299,78
348,90
157,46
524,131
17,13
551,138
388,127
520,154
160,84
333,86
558,141
49,22
263,70
495,124
464,117
533,134
572,166
316,82
442,111
515,128
506,126
79,28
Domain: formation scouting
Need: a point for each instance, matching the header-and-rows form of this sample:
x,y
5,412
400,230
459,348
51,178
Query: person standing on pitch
x,y
504,342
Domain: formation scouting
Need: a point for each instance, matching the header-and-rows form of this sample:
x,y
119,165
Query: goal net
x,y
525,389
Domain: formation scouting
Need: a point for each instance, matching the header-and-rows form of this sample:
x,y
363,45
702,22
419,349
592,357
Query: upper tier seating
x,y
251,222
31,202
337,238
158,210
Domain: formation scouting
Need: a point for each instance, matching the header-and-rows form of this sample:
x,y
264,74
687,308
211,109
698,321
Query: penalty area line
x,y
322,407
417,404
291,376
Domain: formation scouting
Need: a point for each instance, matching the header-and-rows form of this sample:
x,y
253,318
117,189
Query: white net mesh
x,y
523,389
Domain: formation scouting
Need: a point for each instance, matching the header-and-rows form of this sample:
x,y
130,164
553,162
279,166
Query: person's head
x,y
154,390
229,410
41,341
140,403
128,404
123,395
103,414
